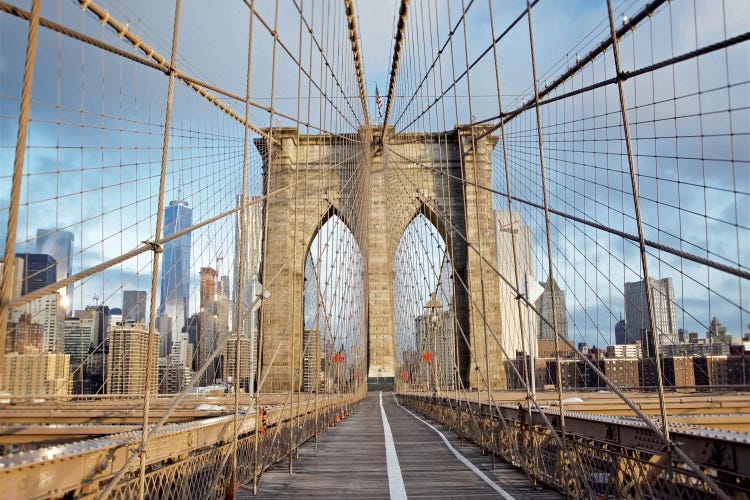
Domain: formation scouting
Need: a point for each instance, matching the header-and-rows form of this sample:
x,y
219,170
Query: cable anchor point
x,y
153,246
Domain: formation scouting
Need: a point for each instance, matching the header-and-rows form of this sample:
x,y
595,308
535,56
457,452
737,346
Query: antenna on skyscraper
x,y
179,189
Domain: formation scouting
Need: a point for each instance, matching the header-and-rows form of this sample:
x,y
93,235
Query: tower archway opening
x,y
333,345
425,327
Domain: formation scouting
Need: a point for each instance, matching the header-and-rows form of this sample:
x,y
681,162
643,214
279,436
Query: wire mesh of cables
x,y
139,171
586,167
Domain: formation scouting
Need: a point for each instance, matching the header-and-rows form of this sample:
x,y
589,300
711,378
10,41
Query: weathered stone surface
x,y
377,202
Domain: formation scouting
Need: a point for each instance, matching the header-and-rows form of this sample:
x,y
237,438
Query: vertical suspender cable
x,y
639,220
156,253
239,327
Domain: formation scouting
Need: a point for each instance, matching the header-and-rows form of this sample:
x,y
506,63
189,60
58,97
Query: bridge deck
x,y
352,461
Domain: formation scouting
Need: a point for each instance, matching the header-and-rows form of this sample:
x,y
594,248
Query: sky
x,y
100,181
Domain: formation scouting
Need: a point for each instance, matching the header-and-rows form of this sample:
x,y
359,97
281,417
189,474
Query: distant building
x,y
208,277
182,352
48,312
39,270
230,360
572,373
623,335
24,334
93,374
79,334
163,325
547,349
100,314
253,237
665,315
193,330
175,272
711,370
717,333
222,286
544,305
246,292
436,335
173,376
682,335
59,245
36,374
115,318
624,351
677,371
694,349
207,344
512,339
127,360
622,372
311,361
134,305
223,306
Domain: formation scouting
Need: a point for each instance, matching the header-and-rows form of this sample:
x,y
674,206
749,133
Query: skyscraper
x,y
78,334
511,338
127,360
175,272
39,270
435,334
253,238
208,288
59,245
623,335
134,305
230,360
250,285
211,326
207,344
665,315
544,304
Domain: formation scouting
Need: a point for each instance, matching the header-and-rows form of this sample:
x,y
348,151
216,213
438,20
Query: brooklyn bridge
x,y
375,249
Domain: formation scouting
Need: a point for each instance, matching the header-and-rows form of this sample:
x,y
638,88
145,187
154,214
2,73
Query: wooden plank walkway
x,y
350,462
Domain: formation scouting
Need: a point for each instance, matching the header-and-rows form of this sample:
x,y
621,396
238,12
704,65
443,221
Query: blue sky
x,y
100,181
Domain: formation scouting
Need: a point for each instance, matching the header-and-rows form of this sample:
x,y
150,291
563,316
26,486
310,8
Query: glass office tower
x,y
58,244
175,271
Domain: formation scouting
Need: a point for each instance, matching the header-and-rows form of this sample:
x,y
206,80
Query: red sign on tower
x,y
427,357
338,358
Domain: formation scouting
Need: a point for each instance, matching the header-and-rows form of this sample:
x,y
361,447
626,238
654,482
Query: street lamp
x,y
433,308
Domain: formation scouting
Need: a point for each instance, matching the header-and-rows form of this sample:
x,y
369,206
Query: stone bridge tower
x,y
308,189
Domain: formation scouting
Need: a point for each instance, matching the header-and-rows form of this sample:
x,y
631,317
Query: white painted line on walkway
x,y
458,454
395,480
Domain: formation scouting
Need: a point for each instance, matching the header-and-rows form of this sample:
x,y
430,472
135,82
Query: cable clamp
x,y
153,246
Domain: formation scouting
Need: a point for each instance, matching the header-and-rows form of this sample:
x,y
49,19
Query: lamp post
x,y
433,308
